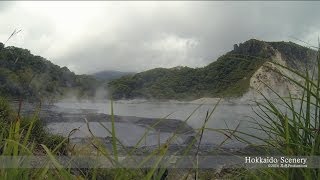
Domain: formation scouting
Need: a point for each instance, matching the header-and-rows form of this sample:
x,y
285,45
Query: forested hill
x,y
23,74
228,76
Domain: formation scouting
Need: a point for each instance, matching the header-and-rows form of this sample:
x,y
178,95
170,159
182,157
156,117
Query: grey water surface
x,y
226,115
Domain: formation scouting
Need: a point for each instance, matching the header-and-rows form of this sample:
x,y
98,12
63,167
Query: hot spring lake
x,y
64,116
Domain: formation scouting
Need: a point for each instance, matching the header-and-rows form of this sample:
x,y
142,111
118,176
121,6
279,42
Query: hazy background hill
x,y
109,75
231,75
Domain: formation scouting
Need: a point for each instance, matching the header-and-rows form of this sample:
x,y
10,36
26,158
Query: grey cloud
x,y
187,33
5,5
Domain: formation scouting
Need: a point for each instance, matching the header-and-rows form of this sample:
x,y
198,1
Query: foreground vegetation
x,y
22,137
290,123
292,131
26,137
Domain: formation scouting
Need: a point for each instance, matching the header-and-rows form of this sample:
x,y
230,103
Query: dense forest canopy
x,y
228,76
23,74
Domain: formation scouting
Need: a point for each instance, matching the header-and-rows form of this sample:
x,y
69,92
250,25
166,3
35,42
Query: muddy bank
x,y
53,114
129,129
162,125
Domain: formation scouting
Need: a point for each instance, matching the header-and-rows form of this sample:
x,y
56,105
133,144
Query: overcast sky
x,y
134,36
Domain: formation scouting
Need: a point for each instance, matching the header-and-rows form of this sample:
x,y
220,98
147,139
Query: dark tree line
x,y
23,74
